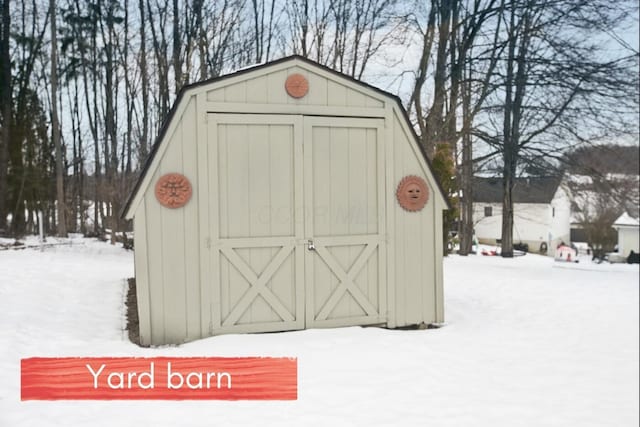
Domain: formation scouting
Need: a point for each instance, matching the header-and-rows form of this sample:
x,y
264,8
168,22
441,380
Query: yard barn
x,y
285,196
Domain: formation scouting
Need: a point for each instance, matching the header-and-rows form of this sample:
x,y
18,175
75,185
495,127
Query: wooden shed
x,y
285,196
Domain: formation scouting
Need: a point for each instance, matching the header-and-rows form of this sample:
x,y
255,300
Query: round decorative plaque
x,y
173,190
412,193
296,85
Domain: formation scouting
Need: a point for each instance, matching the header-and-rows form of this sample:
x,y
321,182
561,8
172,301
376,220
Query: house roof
x,y
252,69
626,220
525,190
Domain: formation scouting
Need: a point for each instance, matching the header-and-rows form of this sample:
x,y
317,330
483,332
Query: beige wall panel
x,y
345,163
142,275
205,217
336,94
283,282
280,212
173,249
367,279
260,188
388,160
374,152
216,95
324,284
439,253
373,102
317,89
324,90
275,87
233,287
156,261
356,98
432,261
361,201
255,164
235,187
257,90
191,236
236,92
414,243
172,237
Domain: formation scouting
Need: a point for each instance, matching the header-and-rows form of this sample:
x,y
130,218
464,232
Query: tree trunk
x,y
436,129
6,102
177,66
111,142
423,68
144,76
466,177
55,131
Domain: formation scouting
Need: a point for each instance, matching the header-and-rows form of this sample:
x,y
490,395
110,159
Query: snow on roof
x,y
626,220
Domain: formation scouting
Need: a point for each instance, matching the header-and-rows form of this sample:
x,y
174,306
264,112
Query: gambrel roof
x,y
232,92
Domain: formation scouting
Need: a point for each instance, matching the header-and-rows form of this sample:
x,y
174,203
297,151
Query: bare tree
x,y
6,101
556,85
308,22
451,85
144,76
55,128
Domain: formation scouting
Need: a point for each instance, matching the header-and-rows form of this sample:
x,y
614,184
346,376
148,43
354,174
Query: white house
x,y
542,210
628,239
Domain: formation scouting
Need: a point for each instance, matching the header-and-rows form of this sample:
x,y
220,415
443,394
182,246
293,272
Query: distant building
x,y
541,212
628,234
597,201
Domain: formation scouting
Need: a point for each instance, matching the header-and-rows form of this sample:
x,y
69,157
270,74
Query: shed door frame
x,y
295,245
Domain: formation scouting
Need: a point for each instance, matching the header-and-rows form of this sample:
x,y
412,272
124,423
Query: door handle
x,y
310,245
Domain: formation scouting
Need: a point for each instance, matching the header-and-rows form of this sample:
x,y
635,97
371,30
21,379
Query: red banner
x,y
159,378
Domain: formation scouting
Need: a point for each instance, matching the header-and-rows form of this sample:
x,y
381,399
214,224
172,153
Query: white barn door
x,y
344,221
256,223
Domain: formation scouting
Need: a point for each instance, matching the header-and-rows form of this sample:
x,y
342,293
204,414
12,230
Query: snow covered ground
x,y
527,342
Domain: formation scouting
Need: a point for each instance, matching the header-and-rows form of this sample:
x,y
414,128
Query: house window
x,y
488,211
553,212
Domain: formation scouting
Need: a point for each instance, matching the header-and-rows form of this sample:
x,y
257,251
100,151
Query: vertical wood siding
x,y
170,240
268,89
414,240
263,184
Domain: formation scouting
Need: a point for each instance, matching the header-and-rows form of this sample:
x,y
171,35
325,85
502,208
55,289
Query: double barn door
x,y
296,219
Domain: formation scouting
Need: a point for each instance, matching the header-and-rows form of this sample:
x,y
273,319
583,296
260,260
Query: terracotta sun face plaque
x,y
412,193
296,85
173,190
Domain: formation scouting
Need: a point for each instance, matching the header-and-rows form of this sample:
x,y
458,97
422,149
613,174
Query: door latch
x,y
310,245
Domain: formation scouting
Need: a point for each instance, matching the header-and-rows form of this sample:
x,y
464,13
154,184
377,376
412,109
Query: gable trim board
x,y
293,221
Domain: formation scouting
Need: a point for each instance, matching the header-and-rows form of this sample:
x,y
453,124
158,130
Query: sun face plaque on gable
x,y
173,190
296,85
412,193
